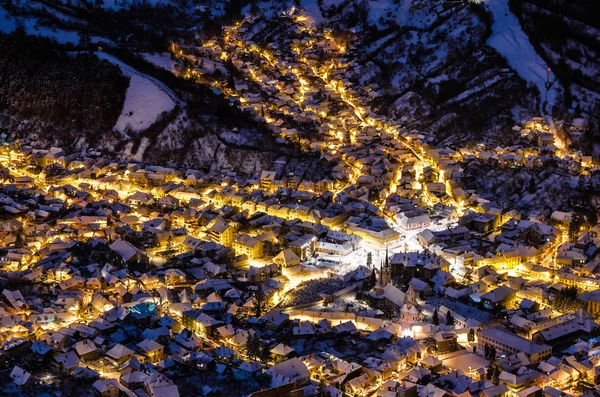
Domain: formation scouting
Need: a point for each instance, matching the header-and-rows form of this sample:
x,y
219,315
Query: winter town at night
x,y
300,198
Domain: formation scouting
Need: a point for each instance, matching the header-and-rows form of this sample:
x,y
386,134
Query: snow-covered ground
x,y
120,4
9,23
510,40
403,14
311,7
146,98
161,60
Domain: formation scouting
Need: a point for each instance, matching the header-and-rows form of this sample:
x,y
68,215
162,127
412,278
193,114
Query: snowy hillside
x,y
456,72
510,41
147,98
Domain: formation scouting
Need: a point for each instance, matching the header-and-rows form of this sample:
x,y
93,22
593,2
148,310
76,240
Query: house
x,y
153,350
133,379
275,319
107,387
282,352
431,363
20,377
64,363
247,370
495,391
86,349
140,198
168,202
249,246
409,221
304,246
289,371
445,342
120,353
533,391
502,297
199,322
287,258
129,253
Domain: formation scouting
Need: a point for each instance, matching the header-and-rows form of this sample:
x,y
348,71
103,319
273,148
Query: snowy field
x,y
146,98
510,41
161,60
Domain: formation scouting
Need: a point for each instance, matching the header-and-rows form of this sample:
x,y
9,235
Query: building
x,y
592,302
304,246
249,246
408,221
499,298
107,387
566,333
507,343
220,231
289,371
153,350
199,322
130,254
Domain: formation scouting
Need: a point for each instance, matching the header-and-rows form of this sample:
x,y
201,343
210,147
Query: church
x,y
389,297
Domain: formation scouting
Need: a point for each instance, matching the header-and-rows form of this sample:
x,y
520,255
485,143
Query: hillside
x,y
566,34
456,72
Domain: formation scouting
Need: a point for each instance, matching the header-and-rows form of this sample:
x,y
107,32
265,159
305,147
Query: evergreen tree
x,y
435,319
265,353
259,298
486,351
449,318
471,335
322,390
369,260
575,226
372,279
566,301
253,346
493,372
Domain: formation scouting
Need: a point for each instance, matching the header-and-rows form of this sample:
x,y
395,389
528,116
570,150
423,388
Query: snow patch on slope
x,y
510,41
163,61
146,98
403,13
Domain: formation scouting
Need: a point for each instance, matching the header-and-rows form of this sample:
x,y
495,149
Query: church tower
x,y
385,272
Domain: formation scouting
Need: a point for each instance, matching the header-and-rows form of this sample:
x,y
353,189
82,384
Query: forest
x,y
66,90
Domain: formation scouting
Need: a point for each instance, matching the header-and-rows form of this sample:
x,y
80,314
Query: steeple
x,y
385,274
387,258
